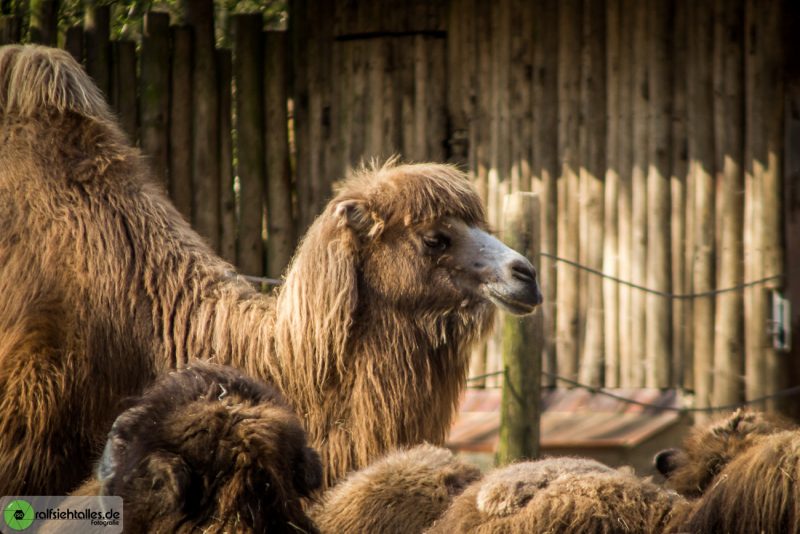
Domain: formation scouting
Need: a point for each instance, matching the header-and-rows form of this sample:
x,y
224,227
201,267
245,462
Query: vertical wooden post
x,y
123,83
499,153
280,227
73,42
522,343
320,113
701,166
298,32
639,236
248,68
519,94
480,140
44,22
592,147
10,29
763,157
678,191
180,120
728,387
658,340
611,197
545,166
205,127
791,184
569,74
436,121
625,203
96,28
227,196
154,94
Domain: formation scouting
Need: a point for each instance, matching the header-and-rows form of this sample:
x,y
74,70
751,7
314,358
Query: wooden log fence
x,y
651,131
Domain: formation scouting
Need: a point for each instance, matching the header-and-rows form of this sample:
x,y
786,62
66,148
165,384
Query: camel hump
x,y
40,80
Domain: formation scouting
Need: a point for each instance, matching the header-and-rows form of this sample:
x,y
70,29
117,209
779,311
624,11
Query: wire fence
x,y
259,280
787,392
665,294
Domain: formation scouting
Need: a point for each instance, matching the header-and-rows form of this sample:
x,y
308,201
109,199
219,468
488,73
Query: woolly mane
x,y
756,492
402,493
369,348
209,449
561,495
33,81
708,449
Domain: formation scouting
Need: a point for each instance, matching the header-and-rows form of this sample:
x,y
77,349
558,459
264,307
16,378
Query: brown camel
x,y
402,493
208,449
740,471
105,286
560,495
709,448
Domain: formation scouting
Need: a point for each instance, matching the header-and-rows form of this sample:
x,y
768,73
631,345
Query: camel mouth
x,y
513,305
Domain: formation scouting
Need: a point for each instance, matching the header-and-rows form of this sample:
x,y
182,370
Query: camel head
x,y
709,448
421,243
212,448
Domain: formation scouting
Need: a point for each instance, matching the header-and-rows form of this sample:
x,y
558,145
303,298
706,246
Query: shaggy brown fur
x,y
402,493
709,448
209,449
757,491
105,286
559,495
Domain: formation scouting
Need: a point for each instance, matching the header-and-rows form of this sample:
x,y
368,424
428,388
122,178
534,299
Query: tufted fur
x,y
209,449
105,286
401,493
757,491
559,495
709,448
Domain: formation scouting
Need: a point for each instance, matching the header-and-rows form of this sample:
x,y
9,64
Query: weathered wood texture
x,y
96,28
522,343
728,384
653,132
154,94
205,126
280,216
658,327
227,195
248,66
592,150
180,119
43,27
702,169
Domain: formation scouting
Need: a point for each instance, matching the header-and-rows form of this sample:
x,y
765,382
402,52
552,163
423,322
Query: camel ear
x,y
355,214
169,477
668,460
308,472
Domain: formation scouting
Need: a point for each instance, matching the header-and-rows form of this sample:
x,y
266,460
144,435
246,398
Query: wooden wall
x,y
652,130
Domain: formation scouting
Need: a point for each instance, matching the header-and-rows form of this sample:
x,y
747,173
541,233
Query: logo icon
x,y
18,514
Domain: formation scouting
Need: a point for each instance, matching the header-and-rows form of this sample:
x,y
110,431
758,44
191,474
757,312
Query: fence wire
x,y
787,392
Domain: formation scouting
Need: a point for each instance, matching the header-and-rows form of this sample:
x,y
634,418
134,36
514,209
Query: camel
x,y
756,491
209,449
739,472
560,495
105,287
709,448
402,493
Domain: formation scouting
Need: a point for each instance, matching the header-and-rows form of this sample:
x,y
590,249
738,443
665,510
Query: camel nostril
x,y
523,272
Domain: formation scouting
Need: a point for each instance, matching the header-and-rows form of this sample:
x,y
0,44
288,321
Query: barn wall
x,y
650,130
661,136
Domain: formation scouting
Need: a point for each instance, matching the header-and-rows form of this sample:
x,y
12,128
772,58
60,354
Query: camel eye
x,y
436,242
